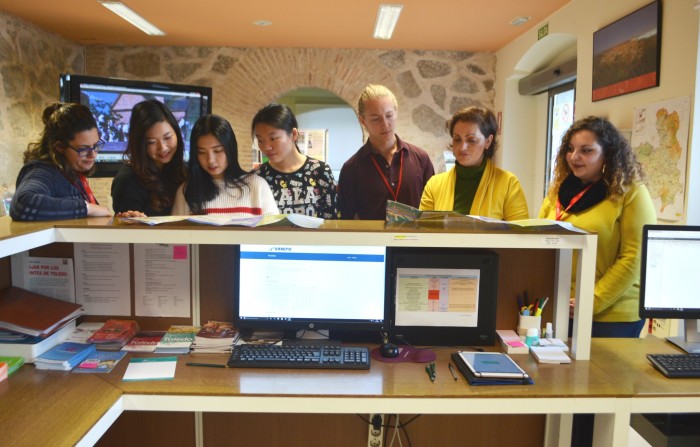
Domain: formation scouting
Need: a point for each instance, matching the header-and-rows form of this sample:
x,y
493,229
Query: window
x,y
560,116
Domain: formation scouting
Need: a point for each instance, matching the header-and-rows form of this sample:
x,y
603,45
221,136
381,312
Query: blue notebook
x,y
65,356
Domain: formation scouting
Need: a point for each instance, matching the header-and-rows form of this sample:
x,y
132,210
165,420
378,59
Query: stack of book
x,y
31,323
177,340
64,356
215,336
144,341
114,334
22,345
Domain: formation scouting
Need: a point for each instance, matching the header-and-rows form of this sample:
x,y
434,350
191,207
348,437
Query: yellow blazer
x,y
619,227
499,194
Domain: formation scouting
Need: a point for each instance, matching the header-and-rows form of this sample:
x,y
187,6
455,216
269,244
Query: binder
x,y
34,314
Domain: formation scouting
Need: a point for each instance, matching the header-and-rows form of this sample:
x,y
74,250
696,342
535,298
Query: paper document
x,y
102,278
152,368
162,280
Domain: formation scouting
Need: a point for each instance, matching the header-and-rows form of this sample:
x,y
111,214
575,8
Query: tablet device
x,y
492,364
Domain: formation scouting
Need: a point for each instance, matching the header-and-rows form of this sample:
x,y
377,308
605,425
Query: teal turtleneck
x,y
467,183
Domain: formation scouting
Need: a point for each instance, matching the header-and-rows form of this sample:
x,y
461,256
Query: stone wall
x,y
429,85
30,63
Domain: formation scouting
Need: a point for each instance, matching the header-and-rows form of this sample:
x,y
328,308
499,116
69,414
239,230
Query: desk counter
x,y
54,408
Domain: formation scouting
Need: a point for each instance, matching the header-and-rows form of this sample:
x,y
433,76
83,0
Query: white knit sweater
x,y
254,200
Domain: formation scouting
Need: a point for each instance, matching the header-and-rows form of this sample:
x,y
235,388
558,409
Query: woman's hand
x,y
572,305
130,214
95,210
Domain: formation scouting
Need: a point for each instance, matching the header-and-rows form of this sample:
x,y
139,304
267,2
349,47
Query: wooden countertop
x,y
52,407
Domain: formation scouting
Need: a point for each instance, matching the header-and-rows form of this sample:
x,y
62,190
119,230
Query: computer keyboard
x,y
302,356
676,365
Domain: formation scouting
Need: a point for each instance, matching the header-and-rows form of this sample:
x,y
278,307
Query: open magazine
x,y
400,213
247,221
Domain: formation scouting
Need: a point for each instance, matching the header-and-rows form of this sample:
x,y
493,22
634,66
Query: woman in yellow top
x,y
475,185
598,187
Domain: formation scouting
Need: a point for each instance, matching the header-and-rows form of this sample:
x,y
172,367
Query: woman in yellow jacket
x,y
598,187
475,185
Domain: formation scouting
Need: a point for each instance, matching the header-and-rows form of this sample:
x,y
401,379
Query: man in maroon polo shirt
x,y
386,167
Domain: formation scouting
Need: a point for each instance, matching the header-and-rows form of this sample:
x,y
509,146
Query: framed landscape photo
x,y
627,53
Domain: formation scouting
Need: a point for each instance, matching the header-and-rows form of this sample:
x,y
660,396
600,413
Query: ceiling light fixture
x,y
132,17
387,17
262,23
519,20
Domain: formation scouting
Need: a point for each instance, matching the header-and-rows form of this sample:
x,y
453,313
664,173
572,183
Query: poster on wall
x,y
660,140
313,142
626,53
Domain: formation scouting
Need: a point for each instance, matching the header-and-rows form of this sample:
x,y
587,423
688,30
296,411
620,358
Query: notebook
x,y
490,368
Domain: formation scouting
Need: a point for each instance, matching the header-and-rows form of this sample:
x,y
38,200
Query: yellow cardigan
x,y
499,194
619,227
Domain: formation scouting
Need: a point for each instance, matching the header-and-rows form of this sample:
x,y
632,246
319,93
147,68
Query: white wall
x,y
344,130
523,119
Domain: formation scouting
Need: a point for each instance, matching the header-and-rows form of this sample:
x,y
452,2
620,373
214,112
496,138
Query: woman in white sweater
x,y
217,184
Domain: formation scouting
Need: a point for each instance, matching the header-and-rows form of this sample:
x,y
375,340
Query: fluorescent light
x,y
132,17
387,17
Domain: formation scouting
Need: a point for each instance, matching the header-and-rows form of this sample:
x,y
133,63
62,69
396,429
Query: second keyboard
x,y
303,357
676,365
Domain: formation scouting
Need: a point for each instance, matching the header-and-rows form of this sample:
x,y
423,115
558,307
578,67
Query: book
x,y
3,371
215,336
31,347
490,368
64,356
13,363
144,341
100,362
549,354
114,334
84,331
209,219
177,340
34,314
150,368
398,214
511,342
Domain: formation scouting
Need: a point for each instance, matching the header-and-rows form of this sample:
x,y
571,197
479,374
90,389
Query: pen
x,y
452,371
430,375
211,365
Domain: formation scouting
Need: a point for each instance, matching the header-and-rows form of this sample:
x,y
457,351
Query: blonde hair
x,y
374,91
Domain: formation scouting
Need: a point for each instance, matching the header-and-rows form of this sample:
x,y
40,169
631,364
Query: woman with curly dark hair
x,y
154,167
53,184
598,186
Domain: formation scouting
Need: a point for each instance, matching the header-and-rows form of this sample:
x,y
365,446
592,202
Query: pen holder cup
x,y
526,322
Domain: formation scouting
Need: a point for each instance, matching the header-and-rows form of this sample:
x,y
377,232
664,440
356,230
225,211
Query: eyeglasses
x,y
83,151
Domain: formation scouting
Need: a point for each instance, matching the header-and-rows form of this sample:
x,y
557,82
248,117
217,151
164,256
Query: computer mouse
x,y
389,350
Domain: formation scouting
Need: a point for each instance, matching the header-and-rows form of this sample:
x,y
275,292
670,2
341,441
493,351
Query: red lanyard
x,y
395,195
86,191
575,199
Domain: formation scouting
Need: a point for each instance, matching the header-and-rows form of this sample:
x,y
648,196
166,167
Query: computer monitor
x,y
110,100
299,288
669,286
444,296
